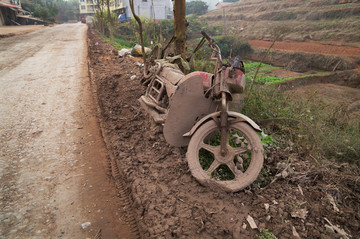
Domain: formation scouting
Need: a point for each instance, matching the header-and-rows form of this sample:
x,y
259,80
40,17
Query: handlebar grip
x,y
206,35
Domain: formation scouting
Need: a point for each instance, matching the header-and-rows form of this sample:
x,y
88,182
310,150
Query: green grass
x,y
251,66
264,77
118,43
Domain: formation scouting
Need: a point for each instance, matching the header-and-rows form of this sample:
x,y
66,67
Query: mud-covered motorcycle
x,y
224,150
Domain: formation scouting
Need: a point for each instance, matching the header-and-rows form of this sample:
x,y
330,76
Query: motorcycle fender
x,y
234,117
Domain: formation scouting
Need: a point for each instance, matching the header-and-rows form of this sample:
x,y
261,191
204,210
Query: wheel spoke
x,y
213,166
208,147
240,150
233,168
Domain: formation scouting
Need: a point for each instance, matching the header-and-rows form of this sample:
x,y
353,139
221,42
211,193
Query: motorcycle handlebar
x,y
212,44
211,41
206,35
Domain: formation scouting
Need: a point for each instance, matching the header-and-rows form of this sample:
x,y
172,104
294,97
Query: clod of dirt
x,y
85,225
299,213
251,222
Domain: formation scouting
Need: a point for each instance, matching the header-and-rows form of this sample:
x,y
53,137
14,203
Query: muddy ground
x,y
169,203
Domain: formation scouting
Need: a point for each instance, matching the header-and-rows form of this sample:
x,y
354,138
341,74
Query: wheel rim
x,y
234,171
230,166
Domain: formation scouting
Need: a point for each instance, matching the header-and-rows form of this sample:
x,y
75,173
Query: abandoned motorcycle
x,y
224,149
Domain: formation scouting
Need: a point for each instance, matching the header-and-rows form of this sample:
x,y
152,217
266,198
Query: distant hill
x,y
319,20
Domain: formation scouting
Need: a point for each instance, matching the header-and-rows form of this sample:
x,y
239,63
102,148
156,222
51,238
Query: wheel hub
x,y
224,159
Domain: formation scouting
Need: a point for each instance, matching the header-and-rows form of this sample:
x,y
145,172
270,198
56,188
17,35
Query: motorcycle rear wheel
x,y
237,169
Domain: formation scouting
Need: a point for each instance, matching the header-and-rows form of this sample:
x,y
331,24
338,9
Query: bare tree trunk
x,y
180,27
141,34
109,18
101,20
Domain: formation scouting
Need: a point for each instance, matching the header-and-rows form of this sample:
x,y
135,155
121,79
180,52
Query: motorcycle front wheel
x,y
231,172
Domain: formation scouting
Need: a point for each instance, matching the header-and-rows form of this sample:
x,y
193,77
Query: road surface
x,y
53,162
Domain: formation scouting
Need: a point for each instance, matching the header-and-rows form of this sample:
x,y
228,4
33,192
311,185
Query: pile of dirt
x,y
169,203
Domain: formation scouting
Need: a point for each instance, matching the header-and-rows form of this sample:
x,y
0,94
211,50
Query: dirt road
x,y
9,31
53,162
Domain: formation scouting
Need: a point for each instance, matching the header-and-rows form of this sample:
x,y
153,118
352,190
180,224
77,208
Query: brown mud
x,y
169,203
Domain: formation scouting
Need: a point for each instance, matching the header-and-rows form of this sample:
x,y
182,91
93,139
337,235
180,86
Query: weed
x,y
315,127
267,141
266,234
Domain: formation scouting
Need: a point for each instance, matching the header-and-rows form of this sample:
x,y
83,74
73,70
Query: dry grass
x,y
309,125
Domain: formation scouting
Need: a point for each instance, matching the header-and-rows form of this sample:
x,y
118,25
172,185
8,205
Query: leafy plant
x,y
266,234
267,140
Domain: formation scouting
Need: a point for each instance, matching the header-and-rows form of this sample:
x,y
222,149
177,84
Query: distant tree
x,y
28,6
51,10
196,7
68,10
45,10
40,12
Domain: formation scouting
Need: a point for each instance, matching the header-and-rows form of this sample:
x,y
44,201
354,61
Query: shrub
x,y
285,16
101,22
232,44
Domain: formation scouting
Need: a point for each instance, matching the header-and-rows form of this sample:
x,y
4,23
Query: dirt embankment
x,y
301,61
309,47
309,20
307,56
320,35
169,203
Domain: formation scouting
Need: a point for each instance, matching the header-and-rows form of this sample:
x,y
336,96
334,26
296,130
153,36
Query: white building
x,y
155,9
